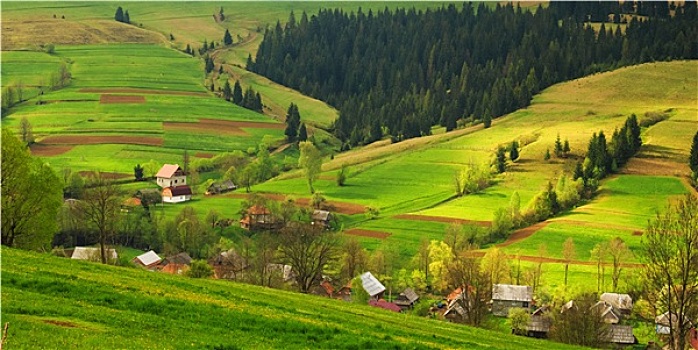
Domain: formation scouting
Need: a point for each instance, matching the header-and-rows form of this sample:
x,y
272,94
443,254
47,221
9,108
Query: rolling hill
x,y
53,302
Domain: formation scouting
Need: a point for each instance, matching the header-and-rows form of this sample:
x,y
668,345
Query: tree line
x,y
401,72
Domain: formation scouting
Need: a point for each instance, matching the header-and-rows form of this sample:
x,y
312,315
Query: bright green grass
x,y
113,306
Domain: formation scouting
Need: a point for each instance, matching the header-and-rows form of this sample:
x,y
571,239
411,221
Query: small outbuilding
x,y
406,299
90,253
620,335
227,265
322,218
259,217
621,303
221,187
175,264
372,285
148,260
507,296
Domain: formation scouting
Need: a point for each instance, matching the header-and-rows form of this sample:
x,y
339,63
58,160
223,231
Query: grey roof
x,y
181,259
620,334
321,215
538,323
619,301
148,258
455,307
511,292
87,253
410,295
663,319
371,284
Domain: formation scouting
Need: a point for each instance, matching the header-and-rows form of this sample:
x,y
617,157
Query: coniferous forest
x,y
401,72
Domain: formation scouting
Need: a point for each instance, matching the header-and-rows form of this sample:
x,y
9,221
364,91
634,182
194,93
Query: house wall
x,y
175,199
174,181
501,307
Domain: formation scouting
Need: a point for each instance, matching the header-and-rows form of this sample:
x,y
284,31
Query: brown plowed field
x,y
655,167
596,225
367,233
218,126
96,140
141,91
540,259
443,219
48,150
204,155
523,233
105,175
107,99
337,207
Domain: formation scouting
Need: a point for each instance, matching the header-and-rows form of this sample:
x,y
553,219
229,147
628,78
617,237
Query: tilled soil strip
x,y
442,219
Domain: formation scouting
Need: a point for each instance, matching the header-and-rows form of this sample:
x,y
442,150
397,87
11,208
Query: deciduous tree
x,y
26,131
568,254
308,249
670,253
619,253
31,197
311,162
100,205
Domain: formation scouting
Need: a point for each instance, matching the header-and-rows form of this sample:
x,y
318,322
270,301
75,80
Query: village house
x,y
372,286
621,303
176,264
663,325
176,194
324,289
507,296
148,260
171,175
621,335
539,323
322,218
227,265
90,253
406,299
259,218
220,187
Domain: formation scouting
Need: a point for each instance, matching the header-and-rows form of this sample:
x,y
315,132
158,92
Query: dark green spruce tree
x,y
293,120
237,93
693,158
227,38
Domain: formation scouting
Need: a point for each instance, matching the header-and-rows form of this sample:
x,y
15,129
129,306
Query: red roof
x,y
182,190
381,303
132,202
328,287
258,210
168,170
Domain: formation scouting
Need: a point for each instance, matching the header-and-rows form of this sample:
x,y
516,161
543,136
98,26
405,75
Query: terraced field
x,y
79,305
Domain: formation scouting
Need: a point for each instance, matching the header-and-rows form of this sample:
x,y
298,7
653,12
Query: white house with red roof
x,y
173,181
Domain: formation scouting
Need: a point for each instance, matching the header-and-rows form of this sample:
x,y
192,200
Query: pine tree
x,y
487,121
566,148
227,38
237,93
127,18
547,154
227,91
292,123
189,50
514,151
558,147
258,106
119,15
501,160
693,159
302,133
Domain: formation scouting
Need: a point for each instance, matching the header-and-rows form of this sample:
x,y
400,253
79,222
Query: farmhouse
x,y
621,335
176,264
148,260
220,187
372,286
539,324
322,218
406,299
259,218
90,253
171,175
176,194
324,289
507,296
227,265
663,324
621,303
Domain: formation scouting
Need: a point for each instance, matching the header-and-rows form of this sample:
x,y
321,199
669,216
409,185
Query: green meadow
x,y
80,305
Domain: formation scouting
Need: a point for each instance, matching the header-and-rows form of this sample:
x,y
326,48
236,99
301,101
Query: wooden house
x,y
663,325
324,289
148,260
539,323
171,175
259,218
176,264
621,303
176,194
90,253
507,296
620,335
608,313
372,286
220,187
322,218
227,265
406,299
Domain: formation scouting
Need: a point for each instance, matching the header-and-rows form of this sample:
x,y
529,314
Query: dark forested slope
x,y
401,72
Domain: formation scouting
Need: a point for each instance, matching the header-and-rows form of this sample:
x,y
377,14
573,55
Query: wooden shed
x,y
507,296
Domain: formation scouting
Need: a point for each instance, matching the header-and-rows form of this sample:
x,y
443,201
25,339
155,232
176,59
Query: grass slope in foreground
x,y
54,302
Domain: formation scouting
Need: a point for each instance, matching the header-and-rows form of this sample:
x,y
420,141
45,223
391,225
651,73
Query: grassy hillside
x,y
54,302
128,104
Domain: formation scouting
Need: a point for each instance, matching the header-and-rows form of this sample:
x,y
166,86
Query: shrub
x,y
200,269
